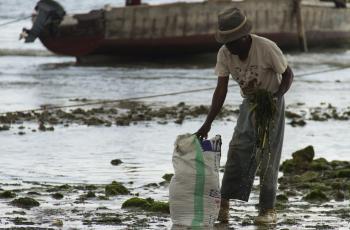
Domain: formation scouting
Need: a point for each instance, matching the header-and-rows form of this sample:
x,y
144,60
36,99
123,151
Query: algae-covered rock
x,y
116,188
116,162
57,223
64,187
303,157
167,177
5,128
57,196
147,205
7,195
316,196
282,198
25,202
291,115
93,121
21,221
104,219
339,196
301,161
90,194
343,173
308,176
320,164
288,166
297,122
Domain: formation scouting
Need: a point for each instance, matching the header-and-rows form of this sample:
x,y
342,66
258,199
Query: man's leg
x,y
237,180
270,165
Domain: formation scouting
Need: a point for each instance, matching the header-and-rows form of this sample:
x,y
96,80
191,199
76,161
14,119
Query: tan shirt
x,y
261,70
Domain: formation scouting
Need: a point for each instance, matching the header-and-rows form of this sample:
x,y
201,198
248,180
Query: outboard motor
x,y
48,12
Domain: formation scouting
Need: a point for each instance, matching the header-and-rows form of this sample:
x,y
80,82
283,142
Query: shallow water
x,y
31,77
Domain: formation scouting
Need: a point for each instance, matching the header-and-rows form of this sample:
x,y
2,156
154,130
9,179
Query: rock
x,y
316,196
59,188
5,128
167,177
339,196
57,196
42,127
93,121
50,129
25,202
320,164
122,122
103,198
147,204
297,122
104,219
7,195
288,166
282,198
116,188
343,173
34,193
181,104
79,111
91,187
304,155
116,162
339,164
57,223
90,194
308,176
154,185
21,221
291,115
21,133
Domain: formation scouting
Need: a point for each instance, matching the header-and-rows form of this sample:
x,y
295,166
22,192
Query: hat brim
x,y
229,37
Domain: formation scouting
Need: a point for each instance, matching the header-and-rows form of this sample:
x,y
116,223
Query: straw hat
x,y
233,24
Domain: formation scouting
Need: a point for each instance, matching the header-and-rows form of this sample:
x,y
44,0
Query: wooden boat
x,y
182,28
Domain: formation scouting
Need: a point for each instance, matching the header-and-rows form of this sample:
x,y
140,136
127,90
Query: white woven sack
x,y
194,191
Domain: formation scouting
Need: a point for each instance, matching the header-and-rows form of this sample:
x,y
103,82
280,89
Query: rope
x,y
13,21
104,102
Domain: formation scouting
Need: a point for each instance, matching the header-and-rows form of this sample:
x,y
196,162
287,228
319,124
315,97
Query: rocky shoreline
x,y
133,112
309,188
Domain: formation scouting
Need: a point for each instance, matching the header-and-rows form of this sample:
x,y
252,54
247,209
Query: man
x,y
255,63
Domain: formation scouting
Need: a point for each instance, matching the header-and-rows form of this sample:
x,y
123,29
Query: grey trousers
x,y
240,168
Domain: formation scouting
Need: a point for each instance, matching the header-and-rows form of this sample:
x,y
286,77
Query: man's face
x,y
237,47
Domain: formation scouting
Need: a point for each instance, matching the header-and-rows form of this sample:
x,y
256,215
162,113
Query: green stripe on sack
x,y
199,186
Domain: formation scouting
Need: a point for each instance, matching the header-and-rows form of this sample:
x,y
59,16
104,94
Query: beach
x,y
72,157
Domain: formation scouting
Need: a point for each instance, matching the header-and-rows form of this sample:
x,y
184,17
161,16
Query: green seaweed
x,y
57,196
7,195
167,177
316,196
116,188
116,162
25,202
147,205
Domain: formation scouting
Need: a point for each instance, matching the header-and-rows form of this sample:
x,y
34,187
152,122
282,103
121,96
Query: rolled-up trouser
x,y
241,166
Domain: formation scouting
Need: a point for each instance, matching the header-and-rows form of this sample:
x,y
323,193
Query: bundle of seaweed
x,y
264,108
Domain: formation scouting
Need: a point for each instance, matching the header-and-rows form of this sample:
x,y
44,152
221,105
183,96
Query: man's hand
x,y
202,133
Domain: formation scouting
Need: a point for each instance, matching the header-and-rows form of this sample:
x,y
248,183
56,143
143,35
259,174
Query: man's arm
x,y
216,105
287,79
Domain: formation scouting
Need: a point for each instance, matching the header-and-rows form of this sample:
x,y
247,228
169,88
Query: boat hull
x,y
188,28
